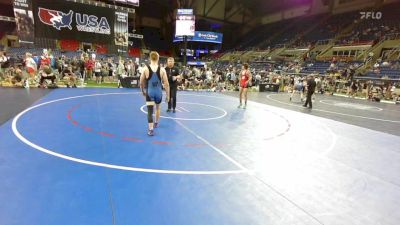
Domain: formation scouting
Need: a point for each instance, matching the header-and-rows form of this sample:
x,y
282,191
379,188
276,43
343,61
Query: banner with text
x,y
203,36
121,28
24,20
60,19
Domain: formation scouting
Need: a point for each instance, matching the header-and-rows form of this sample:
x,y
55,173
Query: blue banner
x,y
203,36
195,63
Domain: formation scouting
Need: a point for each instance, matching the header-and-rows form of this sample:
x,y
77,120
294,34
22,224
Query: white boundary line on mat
x,y
367,107
224,112
327,111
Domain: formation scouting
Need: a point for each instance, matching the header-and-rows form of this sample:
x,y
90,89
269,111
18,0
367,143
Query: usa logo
x,y
56,19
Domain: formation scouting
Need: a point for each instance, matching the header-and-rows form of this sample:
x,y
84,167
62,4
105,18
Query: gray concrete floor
x,y
14,100
372,115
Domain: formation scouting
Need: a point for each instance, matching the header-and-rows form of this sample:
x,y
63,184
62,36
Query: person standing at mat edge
x,y
245,82
150,84
173,79
311,84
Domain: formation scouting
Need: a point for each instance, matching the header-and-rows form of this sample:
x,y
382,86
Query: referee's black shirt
x,y
174,71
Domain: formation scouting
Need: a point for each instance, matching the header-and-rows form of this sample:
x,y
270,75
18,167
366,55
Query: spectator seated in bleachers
x,y
390,70
13,77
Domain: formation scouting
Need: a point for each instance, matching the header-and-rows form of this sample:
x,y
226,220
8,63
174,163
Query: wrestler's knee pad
x,y
150,110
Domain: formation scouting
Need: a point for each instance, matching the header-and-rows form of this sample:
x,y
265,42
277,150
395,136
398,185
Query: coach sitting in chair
x,y
69,77
46,74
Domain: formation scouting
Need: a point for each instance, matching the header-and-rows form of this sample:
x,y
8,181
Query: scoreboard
x,y
185,22
129,2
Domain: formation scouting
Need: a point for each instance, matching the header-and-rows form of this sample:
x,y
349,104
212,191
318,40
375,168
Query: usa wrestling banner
x,y
24,20
60,19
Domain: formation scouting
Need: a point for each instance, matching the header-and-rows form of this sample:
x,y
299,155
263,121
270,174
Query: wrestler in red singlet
x,y
245,79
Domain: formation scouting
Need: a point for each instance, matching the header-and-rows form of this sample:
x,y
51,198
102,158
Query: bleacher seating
x,y
297,32
20,52
331,27
260,35
294,31
370,30
316,67
220,65
391,71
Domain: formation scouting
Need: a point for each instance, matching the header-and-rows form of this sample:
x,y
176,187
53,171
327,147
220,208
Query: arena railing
x,y
393,36
279,46
300,74
356,77
376,78
324,42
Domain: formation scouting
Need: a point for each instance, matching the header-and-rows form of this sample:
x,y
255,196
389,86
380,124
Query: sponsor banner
x,y
25,21
59,19
196,63
203,36
121,28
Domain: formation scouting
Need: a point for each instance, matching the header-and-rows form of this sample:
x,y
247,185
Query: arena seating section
x,y
391,72
305,31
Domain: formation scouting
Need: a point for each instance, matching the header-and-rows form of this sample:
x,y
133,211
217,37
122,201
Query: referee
x,y
311,84
173,78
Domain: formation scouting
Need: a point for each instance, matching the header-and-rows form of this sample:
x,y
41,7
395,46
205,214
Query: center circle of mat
x,y
223,112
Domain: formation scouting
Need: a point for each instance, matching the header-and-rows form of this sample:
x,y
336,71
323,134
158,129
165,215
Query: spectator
x,y
89,66
140,69
354,88
120,72
17,78
45,59
69,77
4,62
104,71
130,68
111,67
30,65
258,79
97,71
46,74
60,64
